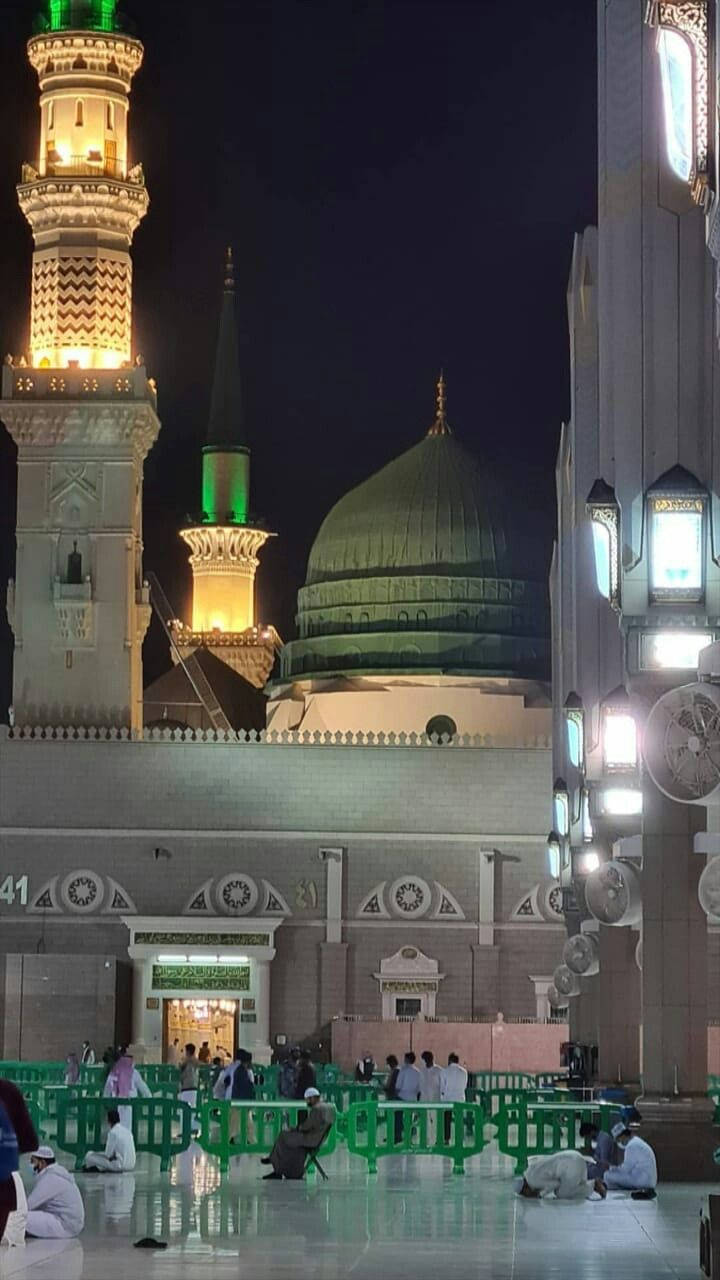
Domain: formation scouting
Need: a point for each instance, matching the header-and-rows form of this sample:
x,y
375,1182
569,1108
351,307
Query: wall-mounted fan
x,y
682,744
566,982
581,954
612,894
709,888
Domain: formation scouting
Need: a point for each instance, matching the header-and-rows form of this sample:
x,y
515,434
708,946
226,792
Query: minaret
x,y
225,543
81,411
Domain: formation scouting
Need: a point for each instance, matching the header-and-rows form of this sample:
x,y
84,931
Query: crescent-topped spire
x,y
440,426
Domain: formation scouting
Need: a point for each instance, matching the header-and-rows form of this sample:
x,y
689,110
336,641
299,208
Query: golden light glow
x,y
82,357
222,601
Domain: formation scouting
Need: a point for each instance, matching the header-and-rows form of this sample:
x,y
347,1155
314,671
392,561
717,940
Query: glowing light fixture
x,y
602,507
586,862
174,959
554,854
203,960
676,548
232,959
676,70
619,733
574,730
673,650
621,802
561,807
585,819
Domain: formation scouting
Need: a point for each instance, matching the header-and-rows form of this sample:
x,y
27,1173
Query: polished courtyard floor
x,y
413,1221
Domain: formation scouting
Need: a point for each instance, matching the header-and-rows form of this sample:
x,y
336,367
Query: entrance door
x,y
199,1020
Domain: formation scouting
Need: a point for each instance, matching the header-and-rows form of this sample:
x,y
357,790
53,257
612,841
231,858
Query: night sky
x,y
400,181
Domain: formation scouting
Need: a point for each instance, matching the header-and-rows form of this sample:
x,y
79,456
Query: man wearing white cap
x,y
290,1151
638,1171
55,1207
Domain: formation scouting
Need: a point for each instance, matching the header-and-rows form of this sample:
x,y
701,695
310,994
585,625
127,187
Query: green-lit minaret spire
x,y
82,15
226,457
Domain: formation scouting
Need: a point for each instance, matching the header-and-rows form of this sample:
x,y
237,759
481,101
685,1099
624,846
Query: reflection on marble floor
x,y
413,1220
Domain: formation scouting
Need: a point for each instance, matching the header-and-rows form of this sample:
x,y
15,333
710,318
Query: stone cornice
x,y
224,548
54,204
96,424
53,54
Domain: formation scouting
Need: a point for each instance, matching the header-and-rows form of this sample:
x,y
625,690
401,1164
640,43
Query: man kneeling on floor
x,y
55,1207
638,1171
564,1174
119,1154
290,1151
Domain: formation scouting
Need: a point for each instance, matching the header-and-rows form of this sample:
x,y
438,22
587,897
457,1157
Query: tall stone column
x,y
618,1007
674,1104
333,980
262,1050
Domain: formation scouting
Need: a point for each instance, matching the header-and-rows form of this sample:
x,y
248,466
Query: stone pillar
x,y
618,1007
261,1049
674,1104
139,994
485,980
333,980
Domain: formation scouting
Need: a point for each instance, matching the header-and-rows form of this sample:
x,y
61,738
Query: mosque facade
x,y
363,835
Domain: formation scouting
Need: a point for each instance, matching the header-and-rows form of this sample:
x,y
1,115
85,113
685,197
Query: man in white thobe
x,y
452,1089
563,1174
119,1154
55,1207
638,1171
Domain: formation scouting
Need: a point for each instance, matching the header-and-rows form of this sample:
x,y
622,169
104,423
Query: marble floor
x,y
413,1221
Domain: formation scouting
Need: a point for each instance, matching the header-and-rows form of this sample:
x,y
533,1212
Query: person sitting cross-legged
x,y
55,1207
638,1171
290,1151
119,1154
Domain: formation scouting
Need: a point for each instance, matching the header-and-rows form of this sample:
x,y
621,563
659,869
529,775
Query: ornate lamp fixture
x,y
683,50
602,507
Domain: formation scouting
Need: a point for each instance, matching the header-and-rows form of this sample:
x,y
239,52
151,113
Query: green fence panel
x,y
346,1093
490,1080
230,1129
526,1129
375,1129
82,1127
94,1076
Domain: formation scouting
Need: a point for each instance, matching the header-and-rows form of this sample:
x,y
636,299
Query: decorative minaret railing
x,y
80,409
224,544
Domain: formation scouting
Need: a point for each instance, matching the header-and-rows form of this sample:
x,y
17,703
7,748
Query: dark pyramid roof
x,y
227,419
171,699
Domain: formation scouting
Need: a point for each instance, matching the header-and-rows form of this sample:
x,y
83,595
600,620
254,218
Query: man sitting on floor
x,y
55,1207
563,1174
638,1171
290,1151
119,1154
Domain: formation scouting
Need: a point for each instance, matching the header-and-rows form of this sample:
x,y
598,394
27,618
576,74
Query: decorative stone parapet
x,y
262,737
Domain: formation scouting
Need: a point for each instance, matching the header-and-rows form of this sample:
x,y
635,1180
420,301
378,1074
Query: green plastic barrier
x,y
344,1094
327,1073
527,1129
230,1129
496,1100
371,1131
82,1127
487,1081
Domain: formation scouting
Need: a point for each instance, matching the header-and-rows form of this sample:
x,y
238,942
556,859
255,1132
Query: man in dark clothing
x,y
17,1137
305,1078
290,1151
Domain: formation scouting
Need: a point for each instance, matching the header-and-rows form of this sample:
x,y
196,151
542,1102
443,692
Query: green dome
x,y
431,510
422,569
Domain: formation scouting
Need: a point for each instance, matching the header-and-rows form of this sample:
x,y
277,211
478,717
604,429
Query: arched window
x,y
110,116
422,618
364,621
441,727
348,622
79,112
403,620
51,115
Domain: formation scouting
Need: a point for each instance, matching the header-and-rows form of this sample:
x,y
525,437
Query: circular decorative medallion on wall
x,y
237,894
550,901
410,897
82,892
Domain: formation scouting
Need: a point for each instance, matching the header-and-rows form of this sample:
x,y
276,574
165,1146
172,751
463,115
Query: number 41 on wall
x,y
12,890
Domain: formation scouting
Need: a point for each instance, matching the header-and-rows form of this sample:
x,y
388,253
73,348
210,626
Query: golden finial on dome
x,y
229,271
440,426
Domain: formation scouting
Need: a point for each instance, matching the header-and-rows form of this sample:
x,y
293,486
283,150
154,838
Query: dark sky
x,y
400,182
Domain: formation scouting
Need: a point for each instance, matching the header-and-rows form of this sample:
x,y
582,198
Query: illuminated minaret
x,y
224,544
81,412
